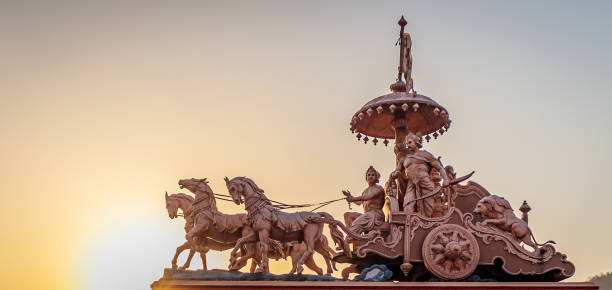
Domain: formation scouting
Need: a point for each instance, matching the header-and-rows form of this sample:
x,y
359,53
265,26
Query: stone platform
x,y
165,284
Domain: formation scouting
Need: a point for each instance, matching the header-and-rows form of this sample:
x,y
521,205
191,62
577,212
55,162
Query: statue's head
x,y
413,142
372,176
195,185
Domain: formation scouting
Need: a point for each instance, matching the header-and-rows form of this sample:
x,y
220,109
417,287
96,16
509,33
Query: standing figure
x,y
414,167
373,199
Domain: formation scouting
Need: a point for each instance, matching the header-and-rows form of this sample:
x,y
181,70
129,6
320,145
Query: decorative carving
x,y
378,246
498,212
489,234
417,222
450,252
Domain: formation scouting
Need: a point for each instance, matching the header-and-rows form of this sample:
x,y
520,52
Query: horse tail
x,y
336,235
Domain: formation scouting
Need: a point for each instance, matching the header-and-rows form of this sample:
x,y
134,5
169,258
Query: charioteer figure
x,y
373,200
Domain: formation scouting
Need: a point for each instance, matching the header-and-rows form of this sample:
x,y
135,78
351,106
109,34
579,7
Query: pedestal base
x,y
164,284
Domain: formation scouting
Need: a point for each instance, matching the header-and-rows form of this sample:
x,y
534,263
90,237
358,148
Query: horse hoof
x,y
174,266
300,269
259,270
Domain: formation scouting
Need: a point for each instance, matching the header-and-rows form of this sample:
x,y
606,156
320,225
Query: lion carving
x,y
497,211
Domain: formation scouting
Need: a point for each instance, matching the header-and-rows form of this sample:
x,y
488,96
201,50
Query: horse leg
x,y
240,262
293,264
179,250
310,263
188,261
203,257
253,265
250,238
321,249
294,257
250,252
310,236
264,248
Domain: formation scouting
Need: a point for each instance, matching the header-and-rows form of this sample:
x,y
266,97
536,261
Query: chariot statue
x,y
426,222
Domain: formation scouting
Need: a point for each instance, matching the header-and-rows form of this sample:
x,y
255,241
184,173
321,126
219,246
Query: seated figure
x,y
373,200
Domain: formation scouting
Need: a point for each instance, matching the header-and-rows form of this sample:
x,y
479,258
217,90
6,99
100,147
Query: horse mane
x,y
250,182
183,196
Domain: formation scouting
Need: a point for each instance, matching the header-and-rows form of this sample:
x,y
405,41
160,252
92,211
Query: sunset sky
x,y
104,105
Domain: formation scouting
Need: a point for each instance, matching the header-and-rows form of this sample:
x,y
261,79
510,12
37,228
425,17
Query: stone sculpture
x,y
183,202
373,200
296,250
206,227
413,168
498,212
435,227
269,222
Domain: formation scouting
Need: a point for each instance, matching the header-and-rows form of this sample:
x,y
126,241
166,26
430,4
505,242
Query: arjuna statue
x,y
413,169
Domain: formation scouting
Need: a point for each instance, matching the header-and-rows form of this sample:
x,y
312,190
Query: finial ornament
x,y
405,65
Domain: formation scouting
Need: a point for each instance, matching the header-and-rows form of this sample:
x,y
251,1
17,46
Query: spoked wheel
x,y
450,252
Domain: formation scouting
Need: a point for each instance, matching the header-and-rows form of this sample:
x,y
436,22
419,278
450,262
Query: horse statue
x,y
208,228
182,201
268,222
295,250
292,249
220,231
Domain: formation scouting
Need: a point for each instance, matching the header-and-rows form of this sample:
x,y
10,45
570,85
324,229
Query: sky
x,y
105,105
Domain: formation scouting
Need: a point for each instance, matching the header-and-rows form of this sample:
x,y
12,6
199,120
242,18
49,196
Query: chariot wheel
x,y
450,252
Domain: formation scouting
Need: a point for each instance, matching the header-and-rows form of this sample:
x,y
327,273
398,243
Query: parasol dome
x,y
402,111
419,114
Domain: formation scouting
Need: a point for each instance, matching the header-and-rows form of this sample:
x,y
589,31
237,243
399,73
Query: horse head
x,y
177,201
172,206
236,189
241,186
196,186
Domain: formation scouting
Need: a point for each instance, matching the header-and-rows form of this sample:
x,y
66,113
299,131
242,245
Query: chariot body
x,y
457,245
433,230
